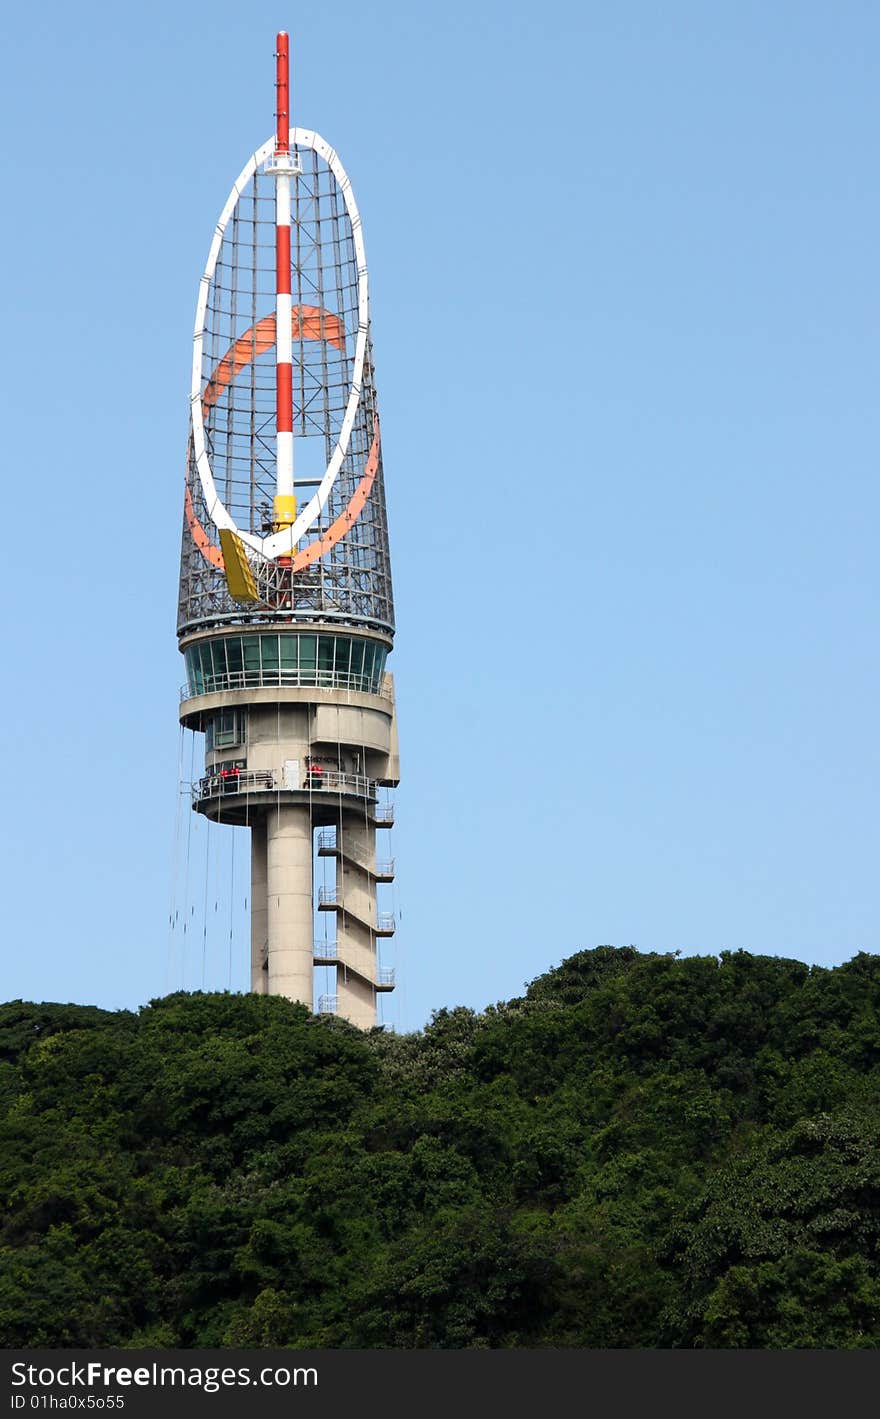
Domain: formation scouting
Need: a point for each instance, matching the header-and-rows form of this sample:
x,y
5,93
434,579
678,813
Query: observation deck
x,y
234,681
232,795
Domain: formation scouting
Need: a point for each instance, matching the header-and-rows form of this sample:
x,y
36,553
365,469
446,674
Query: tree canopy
x,y
641,1151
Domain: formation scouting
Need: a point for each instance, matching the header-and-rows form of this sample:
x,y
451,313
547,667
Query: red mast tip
x,y
282,95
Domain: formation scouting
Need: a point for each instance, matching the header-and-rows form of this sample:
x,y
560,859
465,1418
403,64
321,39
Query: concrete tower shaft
x,y
286,614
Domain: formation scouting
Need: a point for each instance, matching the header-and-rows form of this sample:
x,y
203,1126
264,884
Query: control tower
x,y
286,615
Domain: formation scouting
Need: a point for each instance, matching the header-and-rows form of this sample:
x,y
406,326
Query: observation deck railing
x,y
287,679
332,779
237,781
233,781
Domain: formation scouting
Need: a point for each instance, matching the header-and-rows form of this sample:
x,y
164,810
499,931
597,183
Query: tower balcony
x,y
333,781
231,793
273,679
233,782
329,900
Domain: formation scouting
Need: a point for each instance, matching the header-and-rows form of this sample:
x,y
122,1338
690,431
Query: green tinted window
x,y
194,677
288,654
259,659
326,646
343,658
228,728
251,653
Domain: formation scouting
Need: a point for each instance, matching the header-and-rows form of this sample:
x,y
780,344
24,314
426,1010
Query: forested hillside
x,y
641,1151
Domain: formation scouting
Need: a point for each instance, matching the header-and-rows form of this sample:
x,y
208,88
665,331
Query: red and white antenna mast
x,y
283,166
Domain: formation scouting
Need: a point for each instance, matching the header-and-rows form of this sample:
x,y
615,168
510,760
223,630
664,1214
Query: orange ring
x,y
209,550
338,529
308,323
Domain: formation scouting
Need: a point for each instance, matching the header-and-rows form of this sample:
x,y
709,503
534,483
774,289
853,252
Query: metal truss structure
x,y
337,566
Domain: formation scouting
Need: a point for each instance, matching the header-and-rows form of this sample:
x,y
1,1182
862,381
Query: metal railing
x,y
264,781
331,897
329,951
287,679
332,779
384,815
328,1004
328,842
234,781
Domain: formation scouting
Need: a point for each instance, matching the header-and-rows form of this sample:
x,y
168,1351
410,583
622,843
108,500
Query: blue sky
x,y
623,264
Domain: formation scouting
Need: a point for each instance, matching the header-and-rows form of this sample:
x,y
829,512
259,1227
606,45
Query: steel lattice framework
x,y
332,562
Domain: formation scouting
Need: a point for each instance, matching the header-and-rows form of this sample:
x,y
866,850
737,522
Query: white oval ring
x,y
279,544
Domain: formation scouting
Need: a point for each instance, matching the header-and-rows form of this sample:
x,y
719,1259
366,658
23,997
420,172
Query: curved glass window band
x,y
251,662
